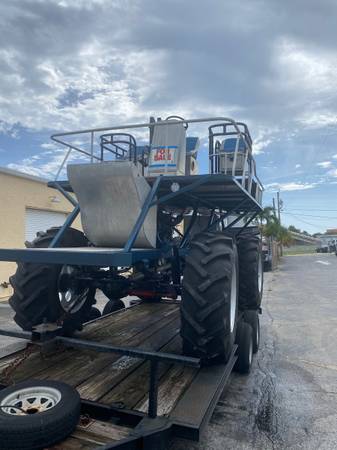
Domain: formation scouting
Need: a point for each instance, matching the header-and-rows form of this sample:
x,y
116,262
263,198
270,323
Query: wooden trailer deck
x,y
123,381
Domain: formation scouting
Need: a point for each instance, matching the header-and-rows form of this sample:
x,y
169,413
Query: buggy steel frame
x,y
227,197
237,201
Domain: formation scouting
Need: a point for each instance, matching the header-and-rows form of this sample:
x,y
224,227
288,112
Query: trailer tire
x,y
251,316
36,295
244,341
209,298
112,306
250,272
44,427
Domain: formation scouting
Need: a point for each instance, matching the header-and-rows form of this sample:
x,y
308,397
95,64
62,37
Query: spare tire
x,y
38,288
37,414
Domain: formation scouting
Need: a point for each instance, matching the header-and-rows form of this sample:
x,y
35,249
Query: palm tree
x,y
271,227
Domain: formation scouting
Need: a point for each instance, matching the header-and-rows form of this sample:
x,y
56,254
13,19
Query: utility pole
x,y
279,202
278,207
274,208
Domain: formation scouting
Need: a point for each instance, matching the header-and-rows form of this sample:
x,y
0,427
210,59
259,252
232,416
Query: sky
x,y
67,65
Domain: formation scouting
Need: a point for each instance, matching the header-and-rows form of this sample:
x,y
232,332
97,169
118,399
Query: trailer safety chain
x,y
7,372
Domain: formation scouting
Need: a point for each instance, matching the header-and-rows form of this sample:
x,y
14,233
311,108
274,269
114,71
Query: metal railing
x,y
242,136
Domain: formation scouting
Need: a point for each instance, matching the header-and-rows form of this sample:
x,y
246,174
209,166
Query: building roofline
x,y
16,173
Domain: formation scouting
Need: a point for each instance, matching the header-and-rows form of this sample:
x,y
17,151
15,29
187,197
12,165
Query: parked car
x,y
267,251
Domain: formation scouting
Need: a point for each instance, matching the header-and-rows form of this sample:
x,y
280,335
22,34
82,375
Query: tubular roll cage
x,y
108,140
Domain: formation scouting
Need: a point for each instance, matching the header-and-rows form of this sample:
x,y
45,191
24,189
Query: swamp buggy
x,y
184,244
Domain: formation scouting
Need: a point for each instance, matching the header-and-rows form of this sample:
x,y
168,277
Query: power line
x,y
310,215
310,209
304,221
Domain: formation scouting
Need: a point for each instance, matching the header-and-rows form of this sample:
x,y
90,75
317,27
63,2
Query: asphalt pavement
x,y
289,401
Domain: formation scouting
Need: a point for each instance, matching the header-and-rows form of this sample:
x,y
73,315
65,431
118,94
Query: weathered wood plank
x,y
73,443
74,361
90,436
171,388
112,325
37,362
133,388
101,432
103,382
83,365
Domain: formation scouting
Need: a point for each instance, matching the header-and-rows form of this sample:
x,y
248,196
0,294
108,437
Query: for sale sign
x,y
164,158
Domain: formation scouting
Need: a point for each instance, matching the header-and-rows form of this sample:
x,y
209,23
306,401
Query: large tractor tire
x,y
46,292
250,271
209,298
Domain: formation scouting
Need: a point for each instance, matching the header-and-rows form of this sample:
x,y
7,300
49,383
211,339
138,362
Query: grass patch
x,y
299,250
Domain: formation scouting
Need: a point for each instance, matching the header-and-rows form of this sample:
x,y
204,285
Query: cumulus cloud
x,y
77,64
68,65
292,186
324,164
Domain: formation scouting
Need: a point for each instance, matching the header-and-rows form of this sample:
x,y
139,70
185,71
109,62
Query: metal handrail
x,y
57,136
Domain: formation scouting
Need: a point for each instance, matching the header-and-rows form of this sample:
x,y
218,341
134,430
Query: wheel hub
x,y
72,293
33,400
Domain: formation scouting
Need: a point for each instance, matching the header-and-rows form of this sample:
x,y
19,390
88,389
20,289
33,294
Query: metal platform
x,y
216,190
84,256
115,389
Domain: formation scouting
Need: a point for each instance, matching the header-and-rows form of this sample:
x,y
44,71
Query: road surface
x,y
289,401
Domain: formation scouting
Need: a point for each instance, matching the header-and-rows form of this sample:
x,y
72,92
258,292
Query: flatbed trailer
x,y
127,402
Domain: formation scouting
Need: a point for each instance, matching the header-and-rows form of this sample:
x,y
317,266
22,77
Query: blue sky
x,y
68,65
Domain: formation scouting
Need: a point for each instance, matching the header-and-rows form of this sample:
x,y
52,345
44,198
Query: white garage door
x,y
40,220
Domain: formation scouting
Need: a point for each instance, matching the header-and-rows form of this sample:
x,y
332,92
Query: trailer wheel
x,y
37,414
209,298
244,340
252,318
250,271
41,292
112,306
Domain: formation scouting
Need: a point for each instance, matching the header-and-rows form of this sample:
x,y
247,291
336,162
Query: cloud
x,y
58,74
292,186
68,65
46,164
332,173
324,164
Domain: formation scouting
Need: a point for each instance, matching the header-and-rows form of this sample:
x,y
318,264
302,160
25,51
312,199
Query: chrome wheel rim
x,y
32,400
72,295
260,274
257,336
233,299
250,356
